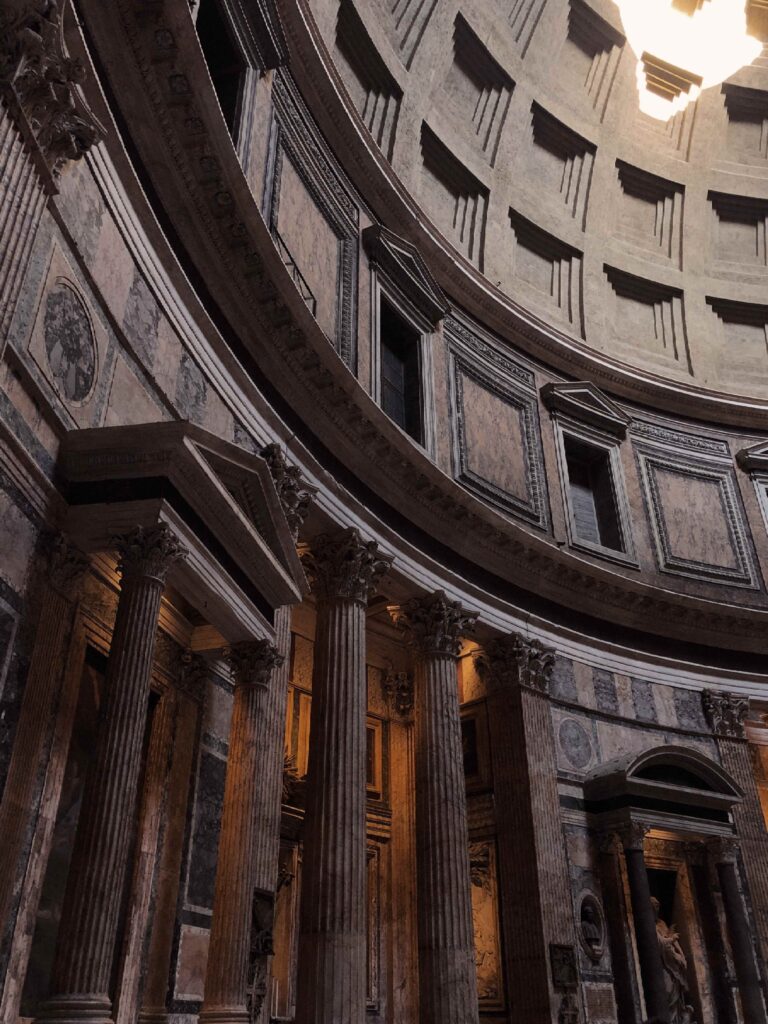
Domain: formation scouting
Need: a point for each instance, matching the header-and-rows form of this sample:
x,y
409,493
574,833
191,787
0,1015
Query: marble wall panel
x,y
205,830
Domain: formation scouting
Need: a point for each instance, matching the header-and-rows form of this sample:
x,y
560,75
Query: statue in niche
x,y
675,970
591,927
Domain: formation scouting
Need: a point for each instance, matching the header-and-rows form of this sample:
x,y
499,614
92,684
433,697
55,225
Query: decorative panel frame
x,y
295,136
473,358
650,461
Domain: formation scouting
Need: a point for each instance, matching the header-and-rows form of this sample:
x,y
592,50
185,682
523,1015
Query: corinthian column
x,y
447,976
86,942
344,571
226,978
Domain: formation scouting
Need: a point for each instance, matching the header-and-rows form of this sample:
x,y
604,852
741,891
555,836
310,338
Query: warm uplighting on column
x,y
684,46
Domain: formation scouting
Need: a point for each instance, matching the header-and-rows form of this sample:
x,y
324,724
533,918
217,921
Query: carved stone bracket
x,y
397,689
295,495
514,660
725,712
192,676
148,552
434,624
343,565
41,82
252,662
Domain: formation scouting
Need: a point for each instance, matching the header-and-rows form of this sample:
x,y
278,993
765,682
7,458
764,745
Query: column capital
x,y
434,624
67,564
344,566
294,493
723,850
252,663
514,660
44,81
726,712
632,836
148,551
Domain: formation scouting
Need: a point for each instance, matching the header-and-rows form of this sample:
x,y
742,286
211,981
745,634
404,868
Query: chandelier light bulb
x,y
680,54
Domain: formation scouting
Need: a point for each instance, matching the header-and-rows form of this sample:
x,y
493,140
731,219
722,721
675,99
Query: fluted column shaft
x,y
651,967
332,936
88,930
740,934
226,979
447,973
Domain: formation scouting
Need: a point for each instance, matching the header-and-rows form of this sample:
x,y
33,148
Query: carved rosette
x,y
148,552
397,690
514,660
725,712
294,494
343,566
252,663
43,81
434,624
66,564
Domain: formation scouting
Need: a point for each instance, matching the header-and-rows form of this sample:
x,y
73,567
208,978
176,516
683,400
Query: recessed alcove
x,y
590,57
523,17
453,197
746,139
650,212
562,162
478,88
549,269
408,20
744,340
373,90
648,315
740,230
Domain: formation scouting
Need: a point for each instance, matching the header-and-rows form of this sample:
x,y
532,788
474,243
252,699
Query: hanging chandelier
x,y
684,46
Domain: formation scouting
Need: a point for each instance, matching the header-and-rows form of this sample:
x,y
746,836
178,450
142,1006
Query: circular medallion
x,y
69,343
592,926
575,743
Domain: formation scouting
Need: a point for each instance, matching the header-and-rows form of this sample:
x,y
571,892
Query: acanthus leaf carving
x,y
252,663
343,565
434,624
42,81
397,689
726,712
294,493
514,660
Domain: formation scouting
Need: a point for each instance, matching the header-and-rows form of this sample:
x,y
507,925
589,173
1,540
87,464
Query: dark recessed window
x,y
592,496
225,63
400,370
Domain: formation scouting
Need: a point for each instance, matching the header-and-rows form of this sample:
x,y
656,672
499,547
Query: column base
x,y
76,1009
153,1015
224,1015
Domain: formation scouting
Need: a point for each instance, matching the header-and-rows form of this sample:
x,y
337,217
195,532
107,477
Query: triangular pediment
x,y
585,403
754,458
402,263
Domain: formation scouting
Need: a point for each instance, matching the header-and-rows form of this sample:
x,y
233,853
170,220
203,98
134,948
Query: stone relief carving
x,y
69,343
397,689
42,81
294,494
592,927
725,712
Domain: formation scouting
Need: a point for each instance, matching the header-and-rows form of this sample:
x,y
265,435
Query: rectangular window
x,y
400,370
225,62
592,496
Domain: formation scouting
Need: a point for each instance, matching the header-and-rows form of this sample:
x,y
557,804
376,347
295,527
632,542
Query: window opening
x,y
593,501
225,63
400,386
